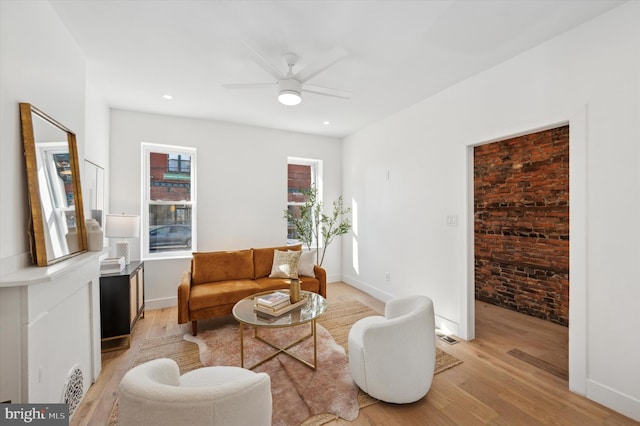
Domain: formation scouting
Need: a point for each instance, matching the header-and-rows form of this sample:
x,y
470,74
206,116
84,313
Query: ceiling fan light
x,y
289,97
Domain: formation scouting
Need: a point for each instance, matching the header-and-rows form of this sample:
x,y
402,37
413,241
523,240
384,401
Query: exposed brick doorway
x,y
521,224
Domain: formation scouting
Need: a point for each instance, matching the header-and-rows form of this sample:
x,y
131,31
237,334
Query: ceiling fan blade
x,y
325,61
248,85
264,64
326,91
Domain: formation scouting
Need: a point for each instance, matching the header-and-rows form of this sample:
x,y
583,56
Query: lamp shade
x,y
122,226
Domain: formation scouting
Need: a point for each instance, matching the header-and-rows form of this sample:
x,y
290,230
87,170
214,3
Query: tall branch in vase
x,y
312,225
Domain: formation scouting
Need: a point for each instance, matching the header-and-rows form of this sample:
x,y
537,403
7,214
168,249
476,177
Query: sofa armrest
x,y
321,275
184,290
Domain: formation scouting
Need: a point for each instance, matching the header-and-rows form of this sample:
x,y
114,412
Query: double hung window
x,y
169,201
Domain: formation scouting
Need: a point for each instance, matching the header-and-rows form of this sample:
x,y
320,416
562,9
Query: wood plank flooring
x,y
490,387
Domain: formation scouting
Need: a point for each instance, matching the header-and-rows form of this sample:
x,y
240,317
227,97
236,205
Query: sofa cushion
x,y
222,266
285,264
219,293
306,283
263,259
266,283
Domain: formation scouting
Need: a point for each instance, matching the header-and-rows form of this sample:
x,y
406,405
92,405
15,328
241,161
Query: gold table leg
x,y
242,345
284,350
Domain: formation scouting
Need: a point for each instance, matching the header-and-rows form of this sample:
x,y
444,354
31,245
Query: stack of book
x,y
111,265
275,304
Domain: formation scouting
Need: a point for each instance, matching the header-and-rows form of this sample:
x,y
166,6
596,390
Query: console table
x,y
121,305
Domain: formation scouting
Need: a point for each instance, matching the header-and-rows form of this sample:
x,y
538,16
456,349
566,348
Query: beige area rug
x,y
298,391
338,320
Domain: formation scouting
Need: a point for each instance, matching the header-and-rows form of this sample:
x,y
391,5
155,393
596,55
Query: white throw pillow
x,y
307,261
285,264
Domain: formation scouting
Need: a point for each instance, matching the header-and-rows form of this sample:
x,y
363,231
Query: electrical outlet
x,y
387,276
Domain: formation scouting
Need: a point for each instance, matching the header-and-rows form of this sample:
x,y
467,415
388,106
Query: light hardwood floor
x,y
511,375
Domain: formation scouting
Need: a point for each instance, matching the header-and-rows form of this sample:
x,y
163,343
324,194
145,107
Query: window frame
x,y
316,179
147,149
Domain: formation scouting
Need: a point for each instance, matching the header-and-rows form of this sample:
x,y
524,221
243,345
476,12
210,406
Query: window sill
x,y
168,256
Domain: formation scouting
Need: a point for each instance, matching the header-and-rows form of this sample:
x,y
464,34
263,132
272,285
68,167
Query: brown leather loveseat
x,y
217,280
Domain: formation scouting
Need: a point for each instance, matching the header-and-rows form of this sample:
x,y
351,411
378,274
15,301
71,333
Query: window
x,y
179,163
54,177
169,202
302,174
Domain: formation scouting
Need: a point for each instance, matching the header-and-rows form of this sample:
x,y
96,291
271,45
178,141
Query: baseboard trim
x,y
447,326
167,302
334,278
611,398
374,292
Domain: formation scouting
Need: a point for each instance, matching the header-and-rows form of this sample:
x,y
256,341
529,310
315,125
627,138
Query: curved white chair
x,y
154,393
392,358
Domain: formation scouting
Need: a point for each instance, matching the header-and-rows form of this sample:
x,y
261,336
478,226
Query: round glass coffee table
x,y
244,313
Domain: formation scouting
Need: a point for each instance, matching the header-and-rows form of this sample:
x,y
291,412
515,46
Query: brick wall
x,y
521,197
163,188
299,178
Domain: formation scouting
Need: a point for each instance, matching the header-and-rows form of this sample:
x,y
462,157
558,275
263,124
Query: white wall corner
x,y
578,251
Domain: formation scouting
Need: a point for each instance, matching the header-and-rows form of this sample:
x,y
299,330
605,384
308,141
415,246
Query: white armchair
x,y
392,358
155,394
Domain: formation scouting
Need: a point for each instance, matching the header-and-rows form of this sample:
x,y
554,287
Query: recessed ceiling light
x,y
168,97
326,122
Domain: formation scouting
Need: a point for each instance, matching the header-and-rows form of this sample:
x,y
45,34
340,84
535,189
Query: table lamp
x,y
122,226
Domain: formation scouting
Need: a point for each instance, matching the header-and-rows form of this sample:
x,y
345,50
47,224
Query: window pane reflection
x,y
169,227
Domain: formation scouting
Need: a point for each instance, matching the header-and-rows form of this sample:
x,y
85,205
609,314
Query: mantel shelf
x,y
42,274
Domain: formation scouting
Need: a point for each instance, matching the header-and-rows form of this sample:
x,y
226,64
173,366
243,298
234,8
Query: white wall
x,y
42,65
589,77
97,137
241,185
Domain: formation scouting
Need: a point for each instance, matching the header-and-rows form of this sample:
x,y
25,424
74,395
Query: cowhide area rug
x,y
299,393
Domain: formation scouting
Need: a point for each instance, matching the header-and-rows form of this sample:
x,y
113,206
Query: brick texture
x,y
166,188
299,178
521,197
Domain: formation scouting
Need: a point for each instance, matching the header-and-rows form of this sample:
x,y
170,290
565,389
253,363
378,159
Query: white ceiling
x,y
400,52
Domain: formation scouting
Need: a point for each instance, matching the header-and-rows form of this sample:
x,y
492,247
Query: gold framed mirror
x,y
57,229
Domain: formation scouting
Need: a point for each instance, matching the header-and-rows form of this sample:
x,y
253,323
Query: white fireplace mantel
x,y
49,325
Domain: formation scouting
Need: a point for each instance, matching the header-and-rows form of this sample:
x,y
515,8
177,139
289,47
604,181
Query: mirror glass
x,y
94,199
57,219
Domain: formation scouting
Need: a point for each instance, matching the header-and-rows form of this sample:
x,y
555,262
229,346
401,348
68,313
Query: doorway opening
x,y
521,239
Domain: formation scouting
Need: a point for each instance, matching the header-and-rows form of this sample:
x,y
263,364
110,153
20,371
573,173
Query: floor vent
x,y
448,339
73,389
445,338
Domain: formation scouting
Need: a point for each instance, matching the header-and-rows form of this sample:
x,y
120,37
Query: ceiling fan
x,y
291,85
